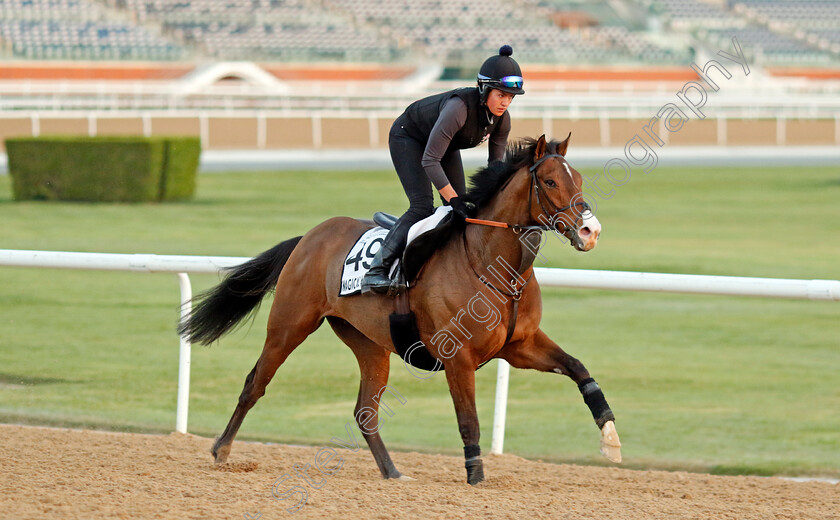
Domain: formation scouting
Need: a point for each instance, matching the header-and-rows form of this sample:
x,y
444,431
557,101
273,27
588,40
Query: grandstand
x,y
681,15
816,23
281,30
78,29
454,33
334,73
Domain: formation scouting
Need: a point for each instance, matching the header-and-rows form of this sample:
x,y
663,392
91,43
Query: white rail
x,y
690,283
659,282
119,262
181,265
573,278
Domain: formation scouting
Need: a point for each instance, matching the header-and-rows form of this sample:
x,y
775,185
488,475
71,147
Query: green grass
x,y
728,385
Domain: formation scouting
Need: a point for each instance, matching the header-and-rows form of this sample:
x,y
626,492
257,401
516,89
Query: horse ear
x,y
539,151
563,146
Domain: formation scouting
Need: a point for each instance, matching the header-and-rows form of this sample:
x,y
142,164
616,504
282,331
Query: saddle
x,y
424,238
385,220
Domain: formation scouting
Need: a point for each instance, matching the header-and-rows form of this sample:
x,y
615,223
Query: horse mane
x,y
486,182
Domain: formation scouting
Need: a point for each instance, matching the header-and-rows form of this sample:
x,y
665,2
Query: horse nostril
x,y
584,232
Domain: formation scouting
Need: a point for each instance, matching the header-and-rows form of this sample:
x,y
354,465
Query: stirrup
x,y
376,289
398,282
397,287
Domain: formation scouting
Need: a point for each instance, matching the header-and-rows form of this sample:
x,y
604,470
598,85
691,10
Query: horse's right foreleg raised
x,y
539,352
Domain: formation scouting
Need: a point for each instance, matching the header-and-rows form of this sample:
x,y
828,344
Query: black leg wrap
x,y
475,468
473,450
595,400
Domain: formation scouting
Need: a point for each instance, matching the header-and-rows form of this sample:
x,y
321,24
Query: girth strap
x,y
512,321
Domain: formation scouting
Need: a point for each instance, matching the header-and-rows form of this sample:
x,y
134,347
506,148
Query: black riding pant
x,y
406,154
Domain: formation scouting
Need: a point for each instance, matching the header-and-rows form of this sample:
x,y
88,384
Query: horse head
x,y
536,187
555,196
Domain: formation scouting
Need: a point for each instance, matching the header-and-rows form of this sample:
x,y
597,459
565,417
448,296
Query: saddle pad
x,y
424,238
429,223
358,260
426,233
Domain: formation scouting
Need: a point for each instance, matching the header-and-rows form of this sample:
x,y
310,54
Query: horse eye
x,y
550,183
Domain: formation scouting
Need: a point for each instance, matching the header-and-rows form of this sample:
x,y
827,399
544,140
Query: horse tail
x,y
217,311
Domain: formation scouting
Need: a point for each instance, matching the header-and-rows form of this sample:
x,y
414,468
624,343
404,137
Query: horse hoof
x,y
475,479
475,472
406,478
610,444
220,454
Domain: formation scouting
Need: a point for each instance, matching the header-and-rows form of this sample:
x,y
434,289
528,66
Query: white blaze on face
x,y
566,165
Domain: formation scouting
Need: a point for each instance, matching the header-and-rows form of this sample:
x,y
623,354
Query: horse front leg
x,y
539,352
461,379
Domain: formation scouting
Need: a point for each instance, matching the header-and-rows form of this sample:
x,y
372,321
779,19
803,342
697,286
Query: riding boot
x,y
377,279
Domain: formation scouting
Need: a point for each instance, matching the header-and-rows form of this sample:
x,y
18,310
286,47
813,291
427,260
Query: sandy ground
x,y
58,473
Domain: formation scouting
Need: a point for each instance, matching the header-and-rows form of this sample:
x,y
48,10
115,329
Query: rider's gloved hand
x,y
461,208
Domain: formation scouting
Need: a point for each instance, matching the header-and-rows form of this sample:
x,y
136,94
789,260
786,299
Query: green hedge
x,y
180,166
112,169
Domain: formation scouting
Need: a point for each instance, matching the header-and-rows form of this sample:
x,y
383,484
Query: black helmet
x,y
500,72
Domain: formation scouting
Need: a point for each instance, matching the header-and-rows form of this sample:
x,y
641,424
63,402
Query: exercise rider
x,y
425,143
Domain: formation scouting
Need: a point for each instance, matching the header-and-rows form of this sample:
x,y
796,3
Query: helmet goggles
x,y
511,81
514,83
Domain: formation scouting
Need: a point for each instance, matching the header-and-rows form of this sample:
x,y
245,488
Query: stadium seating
x,y
77,29
764,46
816,14
283,30
454,32
466,31
814,22
690,14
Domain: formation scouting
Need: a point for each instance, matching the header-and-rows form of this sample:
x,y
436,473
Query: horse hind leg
x,y
282,339
374,365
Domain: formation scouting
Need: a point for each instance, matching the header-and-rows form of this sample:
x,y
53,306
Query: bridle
x,y
536,183
548,215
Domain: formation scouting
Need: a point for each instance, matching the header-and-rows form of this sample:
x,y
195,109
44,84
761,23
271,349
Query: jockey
x,y
425,143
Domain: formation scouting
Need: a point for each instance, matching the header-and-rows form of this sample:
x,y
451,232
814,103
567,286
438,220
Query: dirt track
x,y
55,473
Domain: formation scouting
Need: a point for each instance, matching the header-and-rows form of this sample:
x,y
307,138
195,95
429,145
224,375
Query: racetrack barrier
x,y
550,277
139,263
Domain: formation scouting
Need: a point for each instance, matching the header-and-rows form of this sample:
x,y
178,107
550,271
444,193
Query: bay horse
x,y
534,189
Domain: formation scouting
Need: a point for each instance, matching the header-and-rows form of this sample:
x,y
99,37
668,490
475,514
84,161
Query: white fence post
x,y
184,357
499,414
